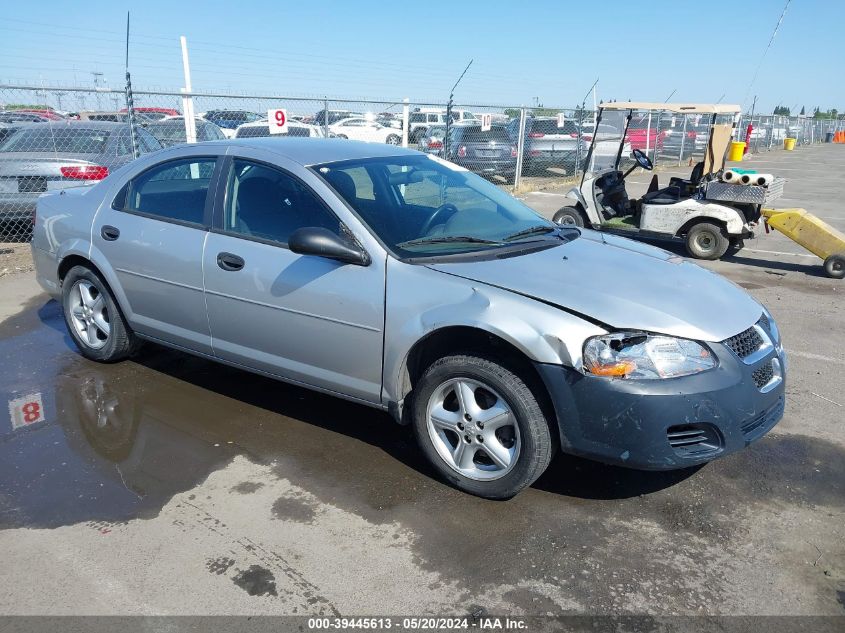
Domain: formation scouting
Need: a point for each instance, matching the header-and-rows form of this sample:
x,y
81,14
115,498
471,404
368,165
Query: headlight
x,y
645,356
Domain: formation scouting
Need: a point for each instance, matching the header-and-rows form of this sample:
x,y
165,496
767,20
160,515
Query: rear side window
x,y
174,191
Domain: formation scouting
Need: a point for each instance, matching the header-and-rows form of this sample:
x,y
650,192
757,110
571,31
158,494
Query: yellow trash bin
x,y
736,151
789,144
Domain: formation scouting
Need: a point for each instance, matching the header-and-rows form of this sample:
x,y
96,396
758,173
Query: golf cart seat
x,y
666,195
678,189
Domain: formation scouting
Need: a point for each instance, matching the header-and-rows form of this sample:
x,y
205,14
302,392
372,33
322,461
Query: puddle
x,y
118,441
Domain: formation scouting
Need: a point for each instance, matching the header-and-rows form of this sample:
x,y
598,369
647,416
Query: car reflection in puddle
x,y
116,442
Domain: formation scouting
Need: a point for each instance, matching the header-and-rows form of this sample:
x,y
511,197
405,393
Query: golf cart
x,y
711,217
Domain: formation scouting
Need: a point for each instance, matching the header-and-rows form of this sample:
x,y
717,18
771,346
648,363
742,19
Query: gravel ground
x,y
14,258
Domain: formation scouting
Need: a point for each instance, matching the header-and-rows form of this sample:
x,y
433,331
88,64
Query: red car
x,y
47,114
164,111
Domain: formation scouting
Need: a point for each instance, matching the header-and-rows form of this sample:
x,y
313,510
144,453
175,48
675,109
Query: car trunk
x,y
30,173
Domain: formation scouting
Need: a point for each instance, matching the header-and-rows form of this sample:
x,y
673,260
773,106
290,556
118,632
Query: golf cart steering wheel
x,y
642,160
439,216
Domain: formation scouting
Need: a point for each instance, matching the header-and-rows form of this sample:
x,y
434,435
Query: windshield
x,y
606,139
423,206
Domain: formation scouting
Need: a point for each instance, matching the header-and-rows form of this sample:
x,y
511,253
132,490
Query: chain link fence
x,y
56,138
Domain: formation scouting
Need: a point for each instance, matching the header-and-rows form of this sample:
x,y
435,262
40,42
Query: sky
x,y
523,52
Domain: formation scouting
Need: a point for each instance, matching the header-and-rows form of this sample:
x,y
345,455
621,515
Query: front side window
x,y
175,190
421,206
269,204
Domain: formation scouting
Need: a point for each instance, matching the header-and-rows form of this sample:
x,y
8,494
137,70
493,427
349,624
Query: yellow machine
x,y
812,233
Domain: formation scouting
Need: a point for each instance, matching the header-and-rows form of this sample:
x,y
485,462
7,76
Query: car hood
x,y
622,284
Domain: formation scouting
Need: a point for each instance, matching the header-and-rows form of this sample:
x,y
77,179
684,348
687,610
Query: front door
x,y
153,235
302,317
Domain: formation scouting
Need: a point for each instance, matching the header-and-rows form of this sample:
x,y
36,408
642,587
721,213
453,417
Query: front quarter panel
x,y
421,300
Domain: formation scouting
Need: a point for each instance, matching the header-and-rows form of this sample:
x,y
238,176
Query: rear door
x,y
153,235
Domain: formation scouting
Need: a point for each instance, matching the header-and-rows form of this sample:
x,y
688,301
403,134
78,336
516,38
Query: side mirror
x,y
314,240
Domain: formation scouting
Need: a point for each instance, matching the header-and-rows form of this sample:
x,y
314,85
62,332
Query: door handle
x,y
110,233
230,262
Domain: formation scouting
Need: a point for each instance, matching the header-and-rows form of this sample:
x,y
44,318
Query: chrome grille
x,y
693,440
763,374
745,343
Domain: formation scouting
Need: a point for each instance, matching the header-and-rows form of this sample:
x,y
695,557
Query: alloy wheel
x,y
89,314
473,429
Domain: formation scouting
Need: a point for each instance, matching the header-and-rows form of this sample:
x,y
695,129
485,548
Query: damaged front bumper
x,y
667,424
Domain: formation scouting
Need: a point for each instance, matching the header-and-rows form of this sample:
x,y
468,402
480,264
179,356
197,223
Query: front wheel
x,y
93,319
393,139
706,241
834,266
570,216
481,426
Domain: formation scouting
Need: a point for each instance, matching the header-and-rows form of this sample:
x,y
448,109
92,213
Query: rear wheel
x,y
834,266
706,241
481,426
570,216
393,139
93,319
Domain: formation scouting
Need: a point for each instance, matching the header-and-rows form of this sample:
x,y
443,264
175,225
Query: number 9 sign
x,y
277,119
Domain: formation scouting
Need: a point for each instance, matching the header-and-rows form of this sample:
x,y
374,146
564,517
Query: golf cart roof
x,y
678,108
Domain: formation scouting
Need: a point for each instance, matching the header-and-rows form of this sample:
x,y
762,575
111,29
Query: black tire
x,y
706,241
343,136
393,139
570,216
121,342
834,266
536,443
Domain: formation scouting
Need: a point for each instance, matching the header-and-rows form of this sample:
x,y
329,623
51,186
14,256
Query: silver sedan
x,y
404,282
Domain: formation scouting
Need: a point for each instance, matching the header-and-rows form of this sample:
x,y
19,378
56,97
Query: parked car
x,y
431,141
464,116
154,112
172,131
490,152
419,121
361,129
7,128
333,116
262,128
405,283
547,145
40,157
86,115
229,120
16,116
45,113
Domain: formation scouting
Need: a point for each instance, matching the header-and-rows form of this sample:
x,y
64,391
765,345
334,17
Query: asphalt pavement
x,y
173,485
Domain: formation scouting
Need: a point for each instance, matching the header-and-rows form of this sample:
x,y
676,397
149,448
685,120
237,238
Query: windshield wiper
x,y
531,230
445,239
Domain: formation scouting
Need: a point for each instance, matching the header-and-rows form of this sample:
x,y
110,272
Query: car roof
x,y
315,151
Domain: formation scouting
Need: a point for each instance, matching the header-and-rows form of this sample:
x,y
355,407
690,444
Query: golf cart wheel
x,y
834,266
706,241
569,216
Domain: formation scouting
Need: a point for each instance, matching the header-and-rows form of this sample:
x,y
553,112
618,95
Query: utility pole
x,y
449,112
97,74
59,95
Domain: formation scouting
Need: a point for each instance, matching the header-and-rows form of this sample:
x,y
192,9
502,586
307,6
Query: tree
x,y
802,113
